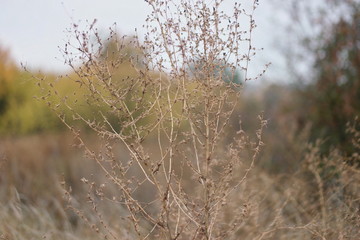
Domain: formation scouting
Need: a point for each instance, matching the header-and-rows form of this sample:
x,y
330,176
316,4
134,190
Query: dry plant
x,y
320,200
170,114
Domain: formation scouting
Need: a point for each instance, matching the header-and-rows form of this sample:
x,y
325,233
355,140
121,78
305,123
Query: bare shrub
x,y
169,110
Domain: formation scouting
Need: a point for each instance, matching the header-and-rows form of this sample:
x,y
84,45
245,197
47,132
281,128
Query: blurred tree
x,y
20,113
326,62
7,75
333,98
218,71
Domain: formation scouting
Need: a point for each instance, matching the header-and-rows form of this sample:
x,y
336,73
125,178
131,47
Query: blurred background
x,y
310,95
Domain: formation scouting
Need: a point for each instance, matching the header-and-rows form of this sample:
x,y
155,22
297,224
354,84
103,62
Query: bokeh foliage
x,y
20,113
332,99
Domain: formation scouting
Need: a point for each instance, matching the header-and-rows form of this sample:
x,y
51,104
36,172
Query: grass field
x,y
305,204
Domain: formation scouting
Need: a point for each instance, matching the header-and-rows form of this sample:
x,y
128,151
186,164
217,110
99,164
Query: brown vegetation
x,y
157,151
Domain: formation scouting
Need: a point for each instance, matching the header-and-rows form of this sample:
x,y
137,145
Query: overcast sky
x,y
33,29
